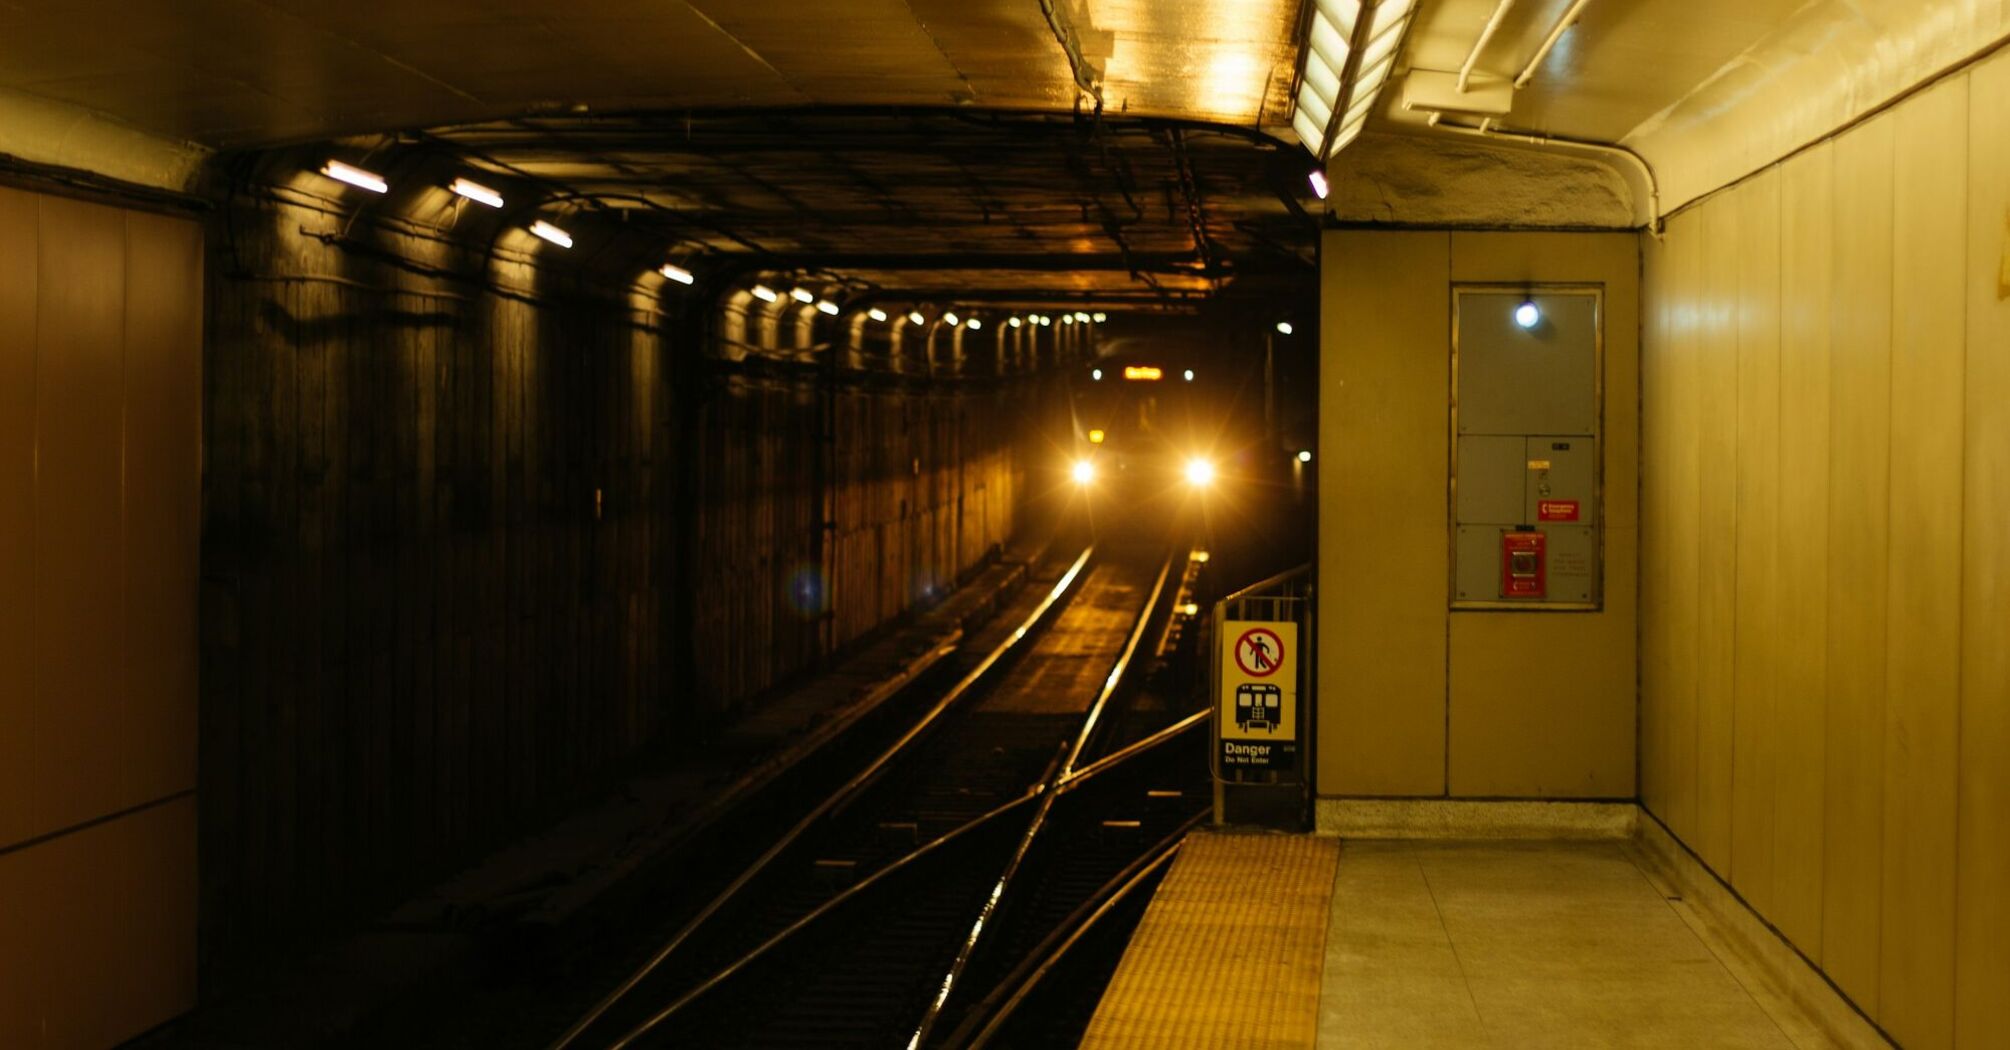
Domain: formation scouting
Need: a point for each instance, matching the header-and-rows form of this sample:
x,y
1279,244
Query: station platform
x,y
1483,932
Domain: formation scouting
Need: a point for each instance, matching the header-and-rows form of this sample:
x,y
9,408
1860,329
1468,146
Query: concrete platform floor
x,y
1450,944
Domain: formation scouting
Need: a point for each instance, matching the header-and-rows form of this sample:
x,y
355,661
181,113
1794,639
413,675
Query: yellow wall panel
x,y
78,569
1716,619
1683,359
1859,512
1921,741
1755,676
1807,266
18,797
163,512
1570,733
1982,924
97,931
1384,372
1655,404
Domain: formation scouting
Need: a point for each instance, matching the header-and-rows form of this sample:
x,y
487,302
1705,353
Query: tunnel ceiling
x,y
936,203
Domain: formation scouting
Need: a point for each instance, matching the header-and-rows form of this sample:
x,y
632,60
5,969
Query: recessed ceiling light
x,y
475,191
355,176
551,233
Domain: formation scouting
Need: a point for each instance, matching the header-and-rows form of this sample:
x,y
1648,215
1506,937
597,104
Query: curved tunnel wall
x,y
483,529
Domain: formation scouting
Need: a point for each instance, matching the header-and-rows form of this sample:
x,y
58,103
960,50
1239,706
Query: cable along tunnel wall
x,y
480,530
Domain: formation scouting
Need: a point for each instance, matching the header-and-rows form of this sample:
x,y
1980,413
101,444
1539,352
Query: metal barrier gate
x,y
1262,673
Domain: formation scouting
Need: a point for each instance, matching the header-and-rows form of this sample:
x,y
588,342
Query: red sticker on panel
x,y
1556,510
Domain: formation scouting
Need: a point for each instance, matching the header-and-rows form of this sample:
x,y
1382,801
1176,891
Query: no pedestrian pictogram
x,y
1259,652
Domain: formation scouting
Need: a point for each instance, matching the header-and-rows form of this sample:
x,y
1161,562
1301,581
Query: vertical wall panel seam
x,y
1961,551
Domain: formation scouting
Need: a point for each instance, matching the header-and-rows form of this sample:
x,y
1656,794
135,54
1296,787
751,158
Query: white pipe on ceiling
x,y
1486,34
1556,33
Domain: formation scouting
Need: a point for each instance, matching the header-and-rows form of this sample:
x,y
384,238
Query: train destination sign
x,y
1256,715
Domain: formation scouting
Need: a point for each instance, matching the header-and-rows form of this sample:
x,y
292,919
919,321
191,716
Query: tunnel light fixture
x,y
1349,48
802,295
876,314
355,176
676,273
1068,319
975,324
1199,556
1189,375
477,192
1100,317
1084,472
916,318
1200,472
1319,187
551,233
765,293
1284,328
1528,315
1081,317
951,320
1014,322
825,306
1096,374
1304,455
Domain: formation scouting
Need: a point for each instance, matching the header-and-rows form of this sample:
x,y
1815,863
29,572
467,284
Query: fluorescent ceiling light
x,y
802,295
677,273
551,233
876,314
825,306
355,176
475,191
1349,49
765,293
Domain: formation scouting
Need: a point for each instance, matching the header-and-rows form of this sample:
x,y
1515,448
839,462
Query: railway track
x,y
899,910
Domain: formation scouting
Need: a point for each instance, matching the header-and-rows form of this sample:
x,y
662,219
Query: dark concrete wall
x,y
484,528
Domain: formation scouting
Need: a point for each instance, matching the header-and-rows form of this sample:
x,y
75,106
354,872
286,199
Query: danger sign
x,y
1256,706
1259,652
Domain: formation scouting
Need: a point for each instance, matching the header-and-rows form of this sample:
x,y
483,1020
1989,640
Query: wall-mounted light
x,y
825,306
765,293
1069,319
1100,317
1014,322
876,314
354,176
1319,187
1528,315
1082,317
477,192
951,320
551,233
1304,455
676,273
802,295
916,318
975,324
1284,328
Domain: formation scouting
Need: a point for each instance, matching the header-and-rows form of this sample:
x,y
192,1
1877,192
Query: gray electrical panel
x,y
1526,473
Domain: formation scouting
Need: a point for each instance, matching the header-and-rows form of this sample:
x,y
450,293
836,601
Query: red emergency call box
x,y
1523,570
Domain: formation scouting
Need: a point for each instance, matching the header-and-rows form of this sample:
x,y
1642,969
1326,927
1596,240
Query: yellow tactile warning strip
x,y
1229,953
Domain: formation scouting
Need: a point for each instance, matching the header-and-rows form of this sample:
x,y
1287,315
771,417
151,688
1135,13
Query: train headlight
x,y
1084,472
1200,472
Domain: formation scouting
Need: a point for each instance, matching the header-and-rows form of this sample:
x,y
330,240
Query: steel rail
x,y
1049,783
821,910
1107,762
836,800
1048,954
